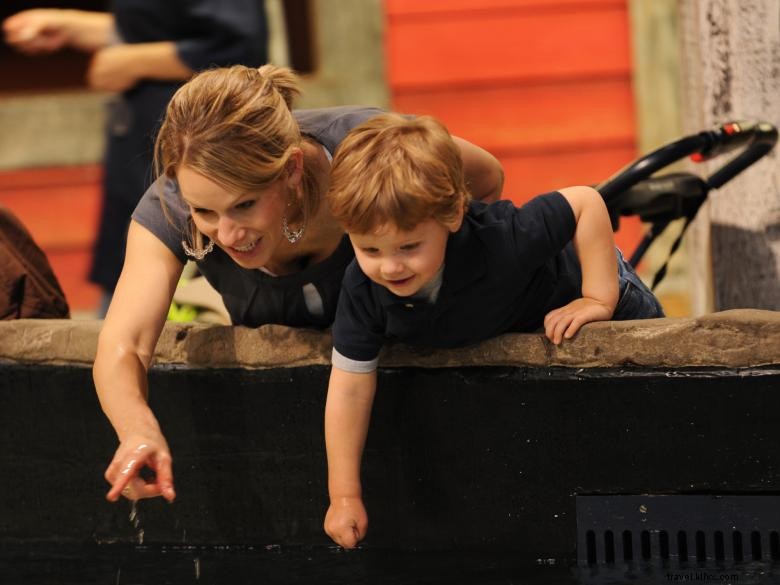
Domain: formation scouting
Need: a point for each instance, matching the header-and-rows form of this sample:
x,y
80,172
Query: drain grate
x,y
677,528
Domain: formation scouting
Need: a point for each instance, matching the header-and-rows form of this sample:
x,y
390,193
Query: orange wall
x,y
60,206
545,85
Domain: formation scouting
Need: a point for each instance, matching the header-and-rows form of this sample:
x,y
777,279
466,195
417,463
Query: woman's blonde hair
x,y
397,170
235,126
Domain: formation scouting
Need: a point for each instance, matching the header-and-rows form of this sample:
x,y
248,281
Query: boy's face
x,y
403,261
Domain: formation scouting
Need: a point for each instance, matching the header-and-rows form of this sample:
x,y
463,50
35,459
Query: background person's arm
x,y
125,348
219,34
120,67
347,416
484,174
44,30
595,245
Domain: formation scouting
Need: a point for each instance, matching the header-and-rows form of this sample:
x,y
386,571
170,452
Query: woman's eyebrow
x,y
192,204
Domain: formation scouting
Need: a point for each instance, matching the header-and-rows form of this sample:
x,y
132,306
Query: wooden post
x,y
656,59
730,68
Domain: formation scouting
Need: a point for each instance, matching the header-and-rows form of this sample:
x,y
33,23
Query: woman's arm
x,y
484,174
44,30
347,415
125,349
595,246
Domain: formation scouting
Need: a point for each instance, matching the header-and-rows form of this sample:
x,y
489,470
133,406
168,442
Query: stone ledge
x,y
735,339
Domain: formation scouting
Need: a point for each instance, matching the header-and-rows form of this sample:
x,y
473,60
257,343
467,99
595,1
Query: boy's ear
x,y
454,224
295,168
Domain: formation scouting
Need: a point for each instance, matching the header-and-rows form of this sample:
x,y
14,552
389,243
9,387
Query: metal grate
x,y
677,528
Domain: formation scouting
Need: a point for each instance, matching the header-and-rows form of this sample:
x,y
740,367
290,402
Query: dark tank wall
x,y
465,458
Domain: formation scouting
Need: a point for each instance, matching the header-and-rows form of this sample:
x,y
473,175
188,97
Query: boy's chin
x,y
405,290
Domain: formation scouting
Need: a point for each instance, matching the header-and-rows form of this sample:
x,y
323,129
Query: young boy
x,y
436,270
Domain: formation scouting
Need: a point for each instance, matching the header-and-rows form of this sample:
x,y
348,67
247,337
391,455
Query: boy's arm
x,y
347,414
483,173
595,248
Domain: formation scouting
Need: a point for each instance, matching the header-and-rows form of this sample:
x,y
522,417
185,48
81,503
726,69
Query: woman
x,y
240,190
142,50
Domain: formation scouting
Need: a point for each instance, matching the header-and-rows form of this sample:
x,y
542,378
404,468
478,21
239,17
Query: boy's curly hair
x,y
398,170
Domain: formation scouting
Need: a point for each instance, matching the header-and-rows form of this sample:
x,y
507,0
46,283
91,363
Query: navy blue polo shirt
x,y
504,270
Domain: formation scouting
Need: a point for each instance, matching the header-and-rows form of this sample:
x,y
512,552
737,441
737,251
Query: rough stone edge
x,y
734,339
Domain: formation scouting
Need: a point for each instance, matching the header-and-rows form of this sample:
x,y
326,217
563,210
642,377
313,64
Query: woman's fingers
x,y
162,465
123,473
120,474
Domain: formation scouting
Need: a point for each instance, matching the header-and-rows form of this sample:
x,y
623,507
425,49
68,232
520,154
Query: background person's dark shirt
x,y
207,33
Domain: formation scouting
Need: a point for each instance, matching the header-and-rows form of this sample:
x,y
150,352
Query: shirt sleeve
x,y
353,366
169,225
357,333
329,126
224,32
543,227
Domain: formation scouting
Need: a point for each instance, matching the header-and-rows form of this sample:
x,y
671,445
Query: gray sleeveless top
x,y
304,299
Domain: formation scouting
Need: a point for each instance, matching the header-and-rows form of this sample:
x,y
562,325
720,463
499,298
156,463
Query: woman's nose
x,y
228,231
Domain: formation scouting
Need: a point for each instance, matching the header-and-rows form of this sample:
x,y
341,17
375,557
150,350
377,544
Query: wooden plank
x,y
416,8
50,177
530,175
531,117
64,217
60,207
499,48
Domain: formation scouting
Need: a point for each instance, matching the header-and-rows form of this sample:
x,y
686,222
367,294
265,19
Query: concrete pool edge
x,y
735,339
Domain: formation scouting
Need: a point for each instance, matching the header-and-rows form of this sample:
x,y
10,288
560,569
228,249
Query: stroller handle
x,y
756,139
731,135
632,191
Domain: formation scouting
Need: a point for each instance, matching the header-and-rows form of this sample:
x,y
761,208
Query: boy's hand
x,y
564,322
346,521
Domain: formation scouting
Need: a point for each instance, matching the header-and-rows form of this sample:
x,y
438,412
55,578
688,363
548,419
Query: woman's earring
x,y
292,235
197,253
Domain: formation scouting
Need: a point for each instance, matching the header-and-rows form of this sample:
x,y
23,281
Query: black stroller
x,y
660,200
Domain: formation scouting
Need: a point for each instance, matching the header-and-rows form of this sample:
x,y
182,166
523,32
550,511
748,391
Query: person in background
x,y
142,51
240,191
434,269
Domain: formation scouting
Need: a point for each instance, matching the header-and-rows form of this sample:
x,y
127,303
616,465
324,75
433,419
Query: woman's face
x,y
247,226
